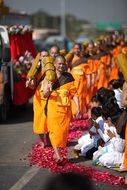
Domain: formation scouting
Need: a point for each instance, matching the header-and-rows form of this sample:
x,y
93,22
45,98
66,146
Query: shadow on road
x,y
77,160
19,114
71,143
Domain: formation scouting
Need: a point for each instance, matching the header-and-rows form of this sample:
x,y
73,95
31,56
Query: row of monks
x,y
92,65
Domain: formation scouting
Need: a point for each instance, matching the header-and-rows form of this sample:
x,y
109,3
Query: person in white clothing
x,y
112,153
115,86
88,143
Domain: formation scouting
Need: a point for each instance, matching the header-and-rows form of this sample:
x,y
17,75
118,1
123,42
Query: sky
x,y
91,10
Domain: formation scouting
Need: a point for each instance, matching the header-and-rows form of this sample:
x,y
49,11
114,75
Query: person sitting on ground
x,y
115,86
88,143
95,102
111,154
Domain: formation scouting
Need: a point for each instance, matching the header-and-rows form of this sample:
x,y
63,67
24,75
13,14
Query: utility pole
x,y
4,10
63,18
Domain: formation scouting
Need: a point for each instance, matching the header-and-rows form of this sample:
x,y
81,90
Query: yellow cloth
x,y
78,73
125,155
39,123
59,114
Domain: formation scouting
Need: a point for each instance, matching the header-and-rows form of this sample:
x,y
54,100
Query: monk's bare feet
x,y
122,169
61,161
42,145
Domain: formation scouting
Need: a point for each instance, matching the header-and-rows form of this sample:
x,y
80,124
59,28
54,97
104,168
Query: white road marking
x,y
25,179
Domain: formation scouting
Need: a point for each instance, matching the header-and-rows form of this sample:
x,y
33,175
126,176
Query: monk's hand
x,y
91,122
31,83
110,134
49,86
27,82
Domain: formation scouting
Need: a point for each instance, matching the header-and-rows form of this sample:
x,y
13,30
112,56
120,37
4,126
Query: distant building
x,y
14,18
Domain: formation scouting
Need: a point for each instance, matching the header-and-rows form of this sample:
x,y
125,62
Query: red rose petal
x,y
43,157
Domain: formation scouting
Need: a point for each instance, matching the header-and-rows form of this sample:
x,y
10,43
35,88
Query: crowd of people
x,y
87,83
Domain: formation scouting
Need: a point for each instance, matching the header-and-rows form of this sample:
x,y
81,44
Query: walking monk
x,y
124,102
77,71
122,63
58,106
39,121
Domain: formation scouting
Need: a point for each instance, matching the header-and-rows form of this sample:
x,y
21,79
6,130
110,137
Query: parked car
x,y
61,41
83,38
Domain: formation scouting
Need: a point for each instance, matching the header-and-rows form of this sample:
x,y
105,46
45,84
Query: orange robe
x,y
114,66
114,70
89,71
80,83
93,68
96,77
59,114
75,58
39,123
125,155
88,75
105,62
102,74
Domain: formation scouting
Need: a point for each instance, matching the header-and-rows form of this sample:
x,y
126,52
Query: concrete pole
x,y
63,18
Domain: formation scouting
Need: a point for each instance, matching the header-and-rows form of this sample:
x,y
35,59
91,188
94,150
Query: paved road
x,y
16,139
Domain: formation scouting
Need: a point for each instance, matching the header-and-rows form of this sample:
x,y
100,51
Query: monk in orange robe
x,y
77,48
114,66
90,71
58,106
78,73
78,69
124,102
39,121
90,76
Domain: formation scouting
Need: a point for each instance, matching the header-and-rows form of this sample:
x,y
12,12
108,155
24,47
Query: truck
x,y
6,74
13,92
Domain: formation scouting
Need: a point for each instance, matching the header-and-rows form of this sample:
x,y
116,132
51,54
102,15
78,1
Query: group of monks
x,y
92,66
95,64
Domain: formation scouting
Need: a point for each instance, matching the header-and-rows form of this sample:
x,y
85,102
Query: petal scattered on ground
x,y
43,157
